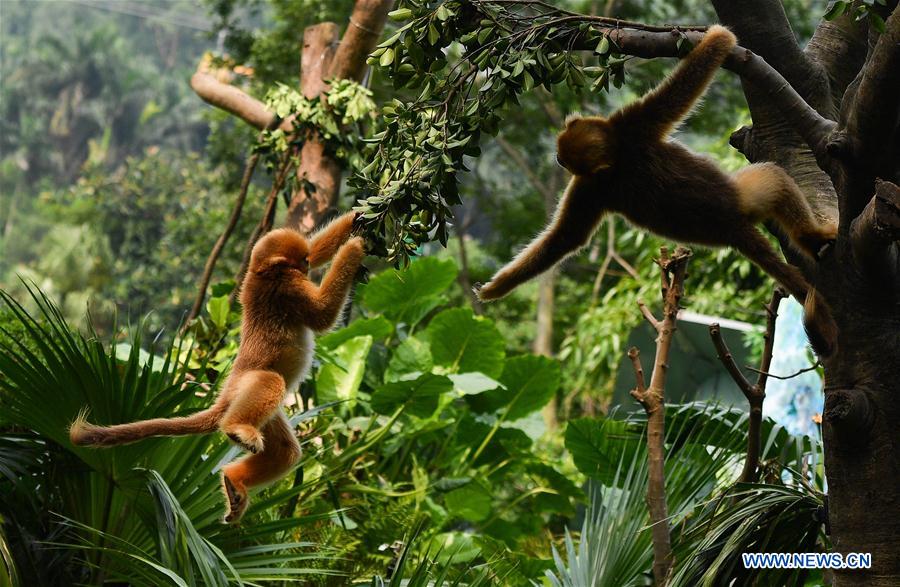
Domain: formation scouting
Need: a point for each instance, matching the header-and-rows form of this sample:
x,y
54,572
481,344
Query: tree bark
x,y
318,174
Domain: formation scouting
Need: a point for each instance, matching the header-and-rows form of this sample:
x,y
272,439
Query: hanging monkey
x,y
281,310
627,164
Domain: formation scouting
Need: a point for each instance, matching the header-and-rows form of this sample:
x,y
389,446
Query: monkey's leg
x,y
257,396
754,245
766,192
281,453
326,242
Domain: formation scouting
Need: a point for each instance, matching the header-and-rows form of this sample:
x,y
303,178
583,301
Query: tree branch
x,y
874,116
265,223
755,393
249,168
366,24
233,100
672,273
812,126
877,228
764,27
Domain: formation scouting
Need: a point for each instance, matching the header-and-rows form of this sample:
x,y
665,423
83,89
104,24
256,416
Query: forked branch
x,y
673,271
754,392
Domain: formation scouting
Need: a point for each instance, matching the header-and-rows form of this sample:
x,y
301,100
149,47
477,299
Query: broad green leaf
x,y
529,381
341,381
411,356
218,310
462,343
596,446
470,502
378,328
420,395
406,296
473,383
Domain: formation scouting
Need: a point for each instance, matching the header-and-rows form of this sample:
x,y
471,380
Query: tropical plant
x,y
146,513
713,521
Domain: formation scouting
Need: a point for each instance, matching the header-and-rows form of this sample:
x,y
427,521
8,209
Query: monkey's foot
x,y
246,436
237,501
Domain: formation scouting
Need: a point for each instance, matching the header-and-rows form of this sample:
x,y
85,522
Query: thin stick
x,y
264,225
755,393
673,270
249,168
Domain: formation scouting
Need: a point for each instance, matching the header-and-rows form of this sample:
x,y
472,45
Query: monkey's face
x,y
280,251
586,145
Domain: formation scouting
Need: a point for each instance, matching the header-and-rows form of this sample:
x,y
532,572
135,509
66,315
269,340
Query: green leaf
x,y
218,310
400,14
406,296
335,383
386,58
529,381
473,383
462,342
420,395
835,9
411,356
876,21
597,446
470,502
603,46
378,328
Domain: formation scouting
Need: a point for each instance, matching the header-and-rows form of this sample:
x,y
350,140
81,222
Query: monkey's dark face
x,y
280,251
586,145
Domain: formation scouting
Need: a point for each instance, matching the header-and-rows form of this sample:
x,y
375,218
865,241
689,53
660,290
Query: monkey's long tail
x,y
83,433
754,245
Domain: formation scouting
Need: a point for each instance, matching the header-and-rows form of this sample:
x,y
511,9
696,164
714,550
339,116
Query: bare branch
x,y
755,394
812,367
763,27
648,315
249,168
673,270
233,100
265,223
778,294
812,126
727,359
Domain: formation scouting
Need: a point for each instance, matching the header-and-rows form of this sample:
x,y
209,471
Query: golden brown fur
x,y
281,309
626,164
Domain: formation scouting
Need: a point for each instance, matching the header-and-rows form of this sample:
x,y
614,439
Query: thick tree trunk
x,y
318,175
857,83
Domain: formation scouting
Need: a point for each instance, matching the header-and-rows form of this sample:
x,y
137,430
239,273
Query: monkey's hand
x,y
488,292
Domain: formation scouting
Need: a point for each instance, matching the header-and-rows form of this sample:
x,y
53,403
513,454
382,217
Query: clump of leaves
x,y
336,117
467,60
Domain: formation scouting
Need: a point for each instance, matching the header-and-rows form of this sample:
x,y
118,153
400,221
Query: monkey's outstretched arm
x,y
573,223
324,303
662,108
327,240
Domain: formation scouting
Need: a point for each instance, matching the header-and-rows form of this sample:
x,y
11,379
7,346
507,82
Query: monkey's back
x,y
673,192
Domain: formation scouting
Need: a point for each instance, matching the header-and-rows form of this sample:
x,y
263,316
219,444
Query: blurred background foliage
x,y
116,180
